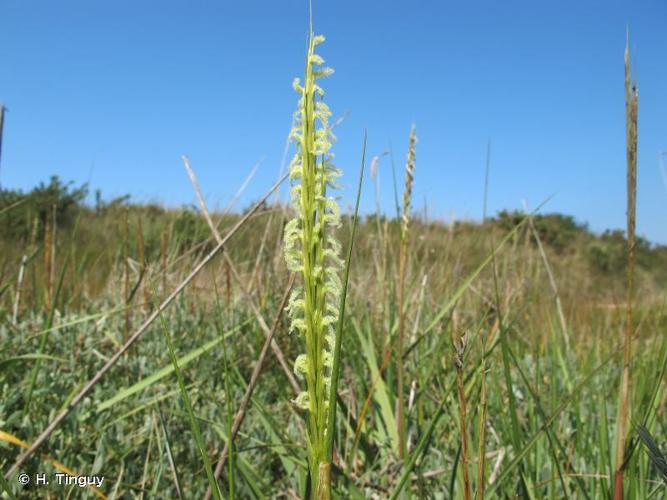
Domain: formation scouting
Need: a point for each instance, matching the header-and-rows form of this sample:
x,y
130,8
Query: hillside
x,y
93,242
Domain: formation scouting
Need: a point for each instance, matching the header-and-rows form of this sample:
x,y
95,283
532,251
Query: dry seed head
x,y
374,167
409,175
460,347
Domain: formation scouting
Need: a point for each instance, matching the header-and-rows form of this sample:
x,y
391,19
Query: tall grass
x,y
402,269
631,97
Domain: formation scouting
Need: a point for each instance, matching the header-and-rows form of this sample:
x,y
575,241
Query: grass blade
x,y
655,454
561,407
421,446
170,456
335,371
188,406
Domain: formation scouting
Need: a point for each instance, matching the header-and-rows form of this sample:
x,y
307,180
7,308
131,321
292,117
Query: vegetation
x,y
461,359
312,251
124,427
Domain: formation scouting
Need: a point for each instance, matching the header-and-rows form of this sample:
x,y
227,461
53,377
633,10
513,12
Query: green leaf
x,y
335,370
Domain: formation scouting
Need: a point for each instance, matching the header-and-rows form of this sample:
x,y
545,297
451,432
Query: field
x,y
476,359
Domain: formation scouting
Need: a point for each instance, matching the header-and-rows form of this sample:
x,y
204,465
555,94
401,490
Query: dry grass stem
x,y
402,265
631,98
230,265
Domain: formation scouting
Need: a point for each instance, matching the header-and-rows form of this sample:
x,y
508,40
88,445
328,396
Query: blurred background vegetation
x,y
95,238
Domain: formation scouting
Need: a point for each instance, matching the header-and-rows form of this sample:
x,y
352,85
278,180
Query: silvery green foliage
x,y
311,249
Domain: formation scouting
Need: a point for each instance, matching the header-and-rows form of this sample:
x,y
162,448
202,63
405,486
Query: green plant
x,y
45,201
312,251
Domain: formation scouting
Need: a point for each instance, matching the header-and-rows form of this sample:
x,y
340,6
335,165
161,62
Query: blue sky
x,y
115,92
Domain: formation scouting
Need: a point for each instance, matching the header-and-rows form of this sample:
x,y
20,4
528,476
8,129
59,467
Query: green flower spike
x,y
312,251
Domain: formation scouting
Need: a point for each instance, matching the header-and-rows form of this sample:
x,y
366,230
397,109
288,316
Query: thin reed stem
x,y
631,105
164,255
2,126
481,451
19,288
126,274
48,236
142,264
460,347
402,264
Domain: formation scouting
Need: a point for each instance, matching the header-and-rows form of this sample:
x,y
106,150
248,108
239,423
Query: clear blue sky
x,y
115,92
